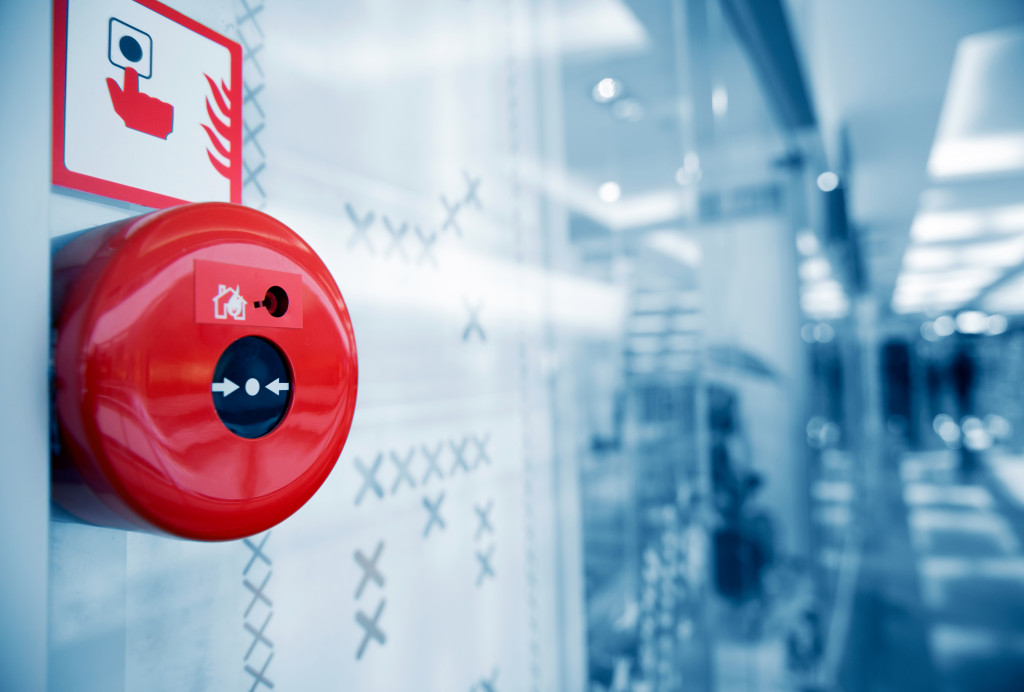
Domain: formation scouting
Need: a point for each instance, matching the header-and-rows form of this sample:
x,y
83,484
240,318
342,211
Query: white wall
x,y
24,342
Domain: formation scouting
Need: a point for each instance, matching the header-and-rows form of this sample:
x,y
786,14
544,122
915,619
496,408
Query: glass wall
x,y
684,192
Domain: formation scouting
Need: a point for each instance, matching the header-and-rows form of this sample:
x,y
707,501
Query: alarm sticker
x,y
236,295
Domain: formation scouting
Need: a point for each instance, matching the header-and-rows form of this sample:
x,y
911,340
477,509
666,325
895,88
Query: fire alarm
x,y
205,372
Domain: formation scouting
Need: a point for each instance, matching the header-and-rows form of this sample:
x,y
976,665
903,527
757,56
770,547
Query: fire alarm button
x,y
205,372
264,393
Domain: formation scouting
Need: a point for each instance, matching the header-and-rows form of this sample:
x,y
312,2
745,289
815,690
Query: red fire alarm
x,y
205,372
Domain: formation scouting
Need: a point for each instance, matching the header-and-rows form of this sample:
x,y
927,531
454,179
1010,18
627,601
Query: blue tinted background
x,y
690,349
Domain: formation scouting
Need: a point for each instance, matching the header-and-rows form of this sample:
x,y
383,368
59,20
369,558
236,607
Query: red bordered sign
x,y
147,104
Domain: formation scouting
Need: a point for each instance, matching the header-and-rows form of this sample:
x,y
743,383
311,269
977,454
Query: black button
x,y
251,387
130,48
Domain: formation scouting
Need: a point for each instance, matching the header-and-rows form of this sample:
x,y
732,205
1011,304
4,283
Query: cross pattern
x,y
473,325
402,464
257,593
427,242
432,466
451,211
258,636
468,453
257,552
483,513
253,165
250,97
487,684
254,157
362,225
481,450
249,51
260,676
472,185
397,233
371,630
250,15
369,478
370,571
250,135
486,568
250,176
434,511
459,452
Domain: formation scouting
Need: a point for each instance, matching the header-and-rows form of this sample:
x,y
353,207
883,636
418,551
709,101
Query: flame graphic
x,y
220,135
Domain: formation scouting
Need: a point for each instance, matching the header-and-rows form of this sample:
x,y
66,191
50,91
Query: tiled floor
x,y
965,534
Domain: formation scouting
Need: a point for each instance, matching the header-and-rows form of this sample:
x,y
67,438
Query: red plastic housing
x,y
141,444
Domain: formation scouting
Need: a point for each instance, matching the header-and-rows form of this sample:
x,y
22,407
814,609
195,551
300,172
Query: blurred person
x,y
934,384
963,373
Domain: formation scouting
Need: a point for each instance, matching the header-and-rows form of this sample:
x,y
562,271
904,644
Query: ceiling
x,y
686,88
880,74
901,90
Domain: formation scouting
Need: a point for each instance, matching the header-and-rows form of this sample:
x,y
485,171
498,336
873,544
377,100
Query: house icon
x,y
228,302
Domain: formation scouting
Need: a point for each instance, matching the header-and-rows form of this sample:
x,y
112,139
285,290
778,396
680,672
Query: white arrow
x,y
277,386
227,386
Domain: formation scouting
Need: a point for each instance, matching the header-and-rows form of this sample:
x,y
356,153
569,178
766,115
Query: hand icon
x,y
139,111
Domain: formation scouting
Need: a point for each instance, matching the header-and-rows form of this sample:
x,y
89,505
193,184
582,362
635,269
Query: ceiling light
x,y
979,129
939,226
999,253
976,155
824,333
1008,219
676,245
689,172
929,227
971,322
685,177
815,269
928,331
950,284
944,325
925,258
824,299
938,291
807,243
606,90
830,288
828,181
996,324
719,101
1005,253
609,192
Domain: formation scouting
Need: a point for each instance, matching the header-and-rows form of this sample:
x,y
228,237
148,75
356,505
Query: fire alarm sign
x,y
147,104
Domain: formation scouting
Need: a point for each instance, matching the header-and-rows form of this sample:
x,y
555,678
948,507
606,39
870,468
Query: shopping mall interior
x,y
690,345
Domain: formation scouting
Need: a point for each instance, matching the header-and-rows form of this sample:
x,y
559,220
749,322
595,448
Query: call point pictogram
x,y
132,50
147,104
